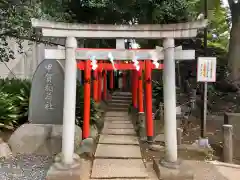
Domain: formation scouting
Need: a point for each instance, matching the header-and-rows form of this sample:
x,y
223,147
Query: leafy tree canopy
x,y
16,14
15,18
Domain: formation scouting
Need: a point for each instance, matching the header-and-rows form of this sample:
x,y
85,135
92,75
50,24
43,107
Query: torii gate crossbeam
x,y
127,66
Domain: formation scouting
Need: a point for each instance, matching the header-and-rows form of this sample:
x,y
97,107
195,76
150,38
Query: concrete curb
x,y
217,163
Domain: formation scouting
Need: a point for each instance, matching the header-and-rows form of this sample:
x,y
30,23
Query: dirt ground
x,y
219,104
189,138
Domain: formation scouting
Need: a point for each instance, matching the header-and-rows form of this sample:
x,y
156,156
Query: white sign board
x,y
206,70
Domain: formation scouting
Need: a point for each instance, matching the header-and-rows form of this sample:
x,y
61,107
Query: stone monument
x,y
47,92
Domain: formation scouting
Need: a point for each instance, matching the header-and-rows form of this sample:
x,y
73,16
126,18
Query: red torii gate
x,y
137,86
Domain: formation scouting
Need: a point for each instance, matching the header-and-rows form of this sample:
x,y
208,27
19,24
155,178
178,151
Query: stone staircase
x,y
118,154
120,101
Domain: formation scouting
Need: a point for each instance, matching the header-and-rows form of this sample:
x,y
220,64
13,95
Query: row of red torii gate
x,y
97,62
100,69
137,65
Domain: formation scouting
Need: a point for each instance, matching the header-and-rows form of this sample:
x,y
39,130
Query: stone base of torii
x,y
168,33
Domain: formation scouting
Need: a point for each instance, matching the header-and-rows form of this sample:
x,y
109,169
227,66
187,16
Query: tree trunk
x,y
234,45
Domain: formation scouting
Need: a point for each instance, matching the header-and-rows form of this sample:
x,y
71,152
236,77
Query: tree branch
x,y
35,40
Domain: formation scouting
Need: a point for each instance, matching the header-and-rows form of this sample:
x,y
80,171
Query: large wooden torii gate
x,y
72,31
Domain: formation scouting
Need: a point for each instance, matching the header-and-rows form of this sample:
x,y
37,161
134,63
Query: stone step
x,y
119,101
118,139
120,114
118,168
117,109
118,104
119,122
110,125
122,93
124,101
121,97
118,118
118,151
118,131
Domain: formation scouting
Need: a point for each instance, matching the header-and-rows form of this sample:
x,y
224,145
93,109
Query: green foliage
x,y
158,92
170,11
14,86
22,101
219,23
14,102
219,27
15,17
94,115
126,11
9,112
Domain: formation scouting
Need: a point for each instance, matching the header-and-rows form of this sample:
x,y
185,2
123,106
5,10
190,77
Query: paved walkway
x,y
118,154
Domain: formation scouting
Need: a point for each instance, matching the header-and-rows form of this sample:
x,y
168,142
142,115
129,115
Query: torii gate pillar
x,y
95,86
111,80
99,85
104,85
134,88
169,91
124,81
69,105
148,100
140,92
87,105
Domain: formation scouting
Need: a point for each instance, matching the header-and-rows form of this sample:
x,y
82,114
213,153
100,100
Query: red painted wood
x,y
87,91
95,86
135,88
99,85
140,92
104,85
124,81
111,80
148,93
120,66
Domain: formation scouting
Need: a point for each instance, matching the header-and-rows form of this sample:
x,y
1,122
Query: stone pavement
x,y
118,154
228,171
118,150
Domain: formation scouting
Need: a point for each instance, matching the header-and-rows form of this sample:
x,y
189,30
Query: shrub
x,y
14,102
157,93
94,115
8,111
21,101
13,86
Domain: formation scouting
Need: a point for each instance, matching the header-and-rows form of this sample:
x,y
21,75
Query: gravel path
x,y
25,167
